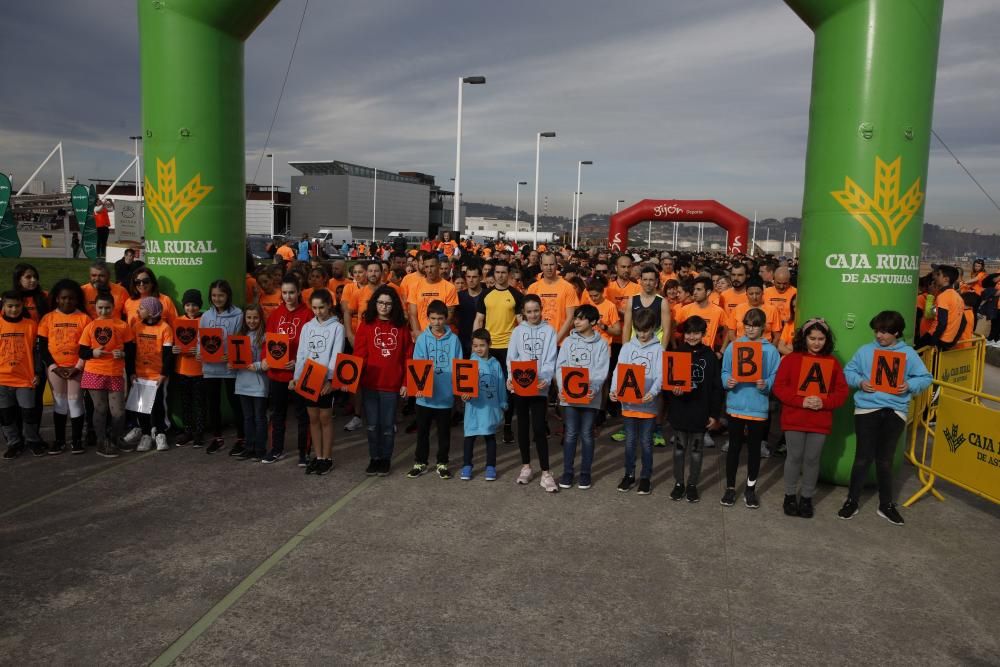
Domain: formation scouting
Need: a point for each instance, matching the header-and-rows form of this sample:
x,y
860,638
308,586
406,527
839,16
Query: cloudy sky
x,y
672,98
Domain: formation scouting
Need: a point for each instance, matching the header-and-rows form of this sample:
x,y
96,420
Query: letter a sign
x,y
815,376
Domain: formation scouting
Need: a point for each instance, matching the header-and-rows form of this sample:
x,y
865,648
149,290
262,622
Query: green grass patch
x,y
50,270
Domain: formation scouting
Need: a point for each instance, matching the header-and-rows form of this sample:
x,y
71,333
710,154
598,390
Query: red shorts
x,y
105,382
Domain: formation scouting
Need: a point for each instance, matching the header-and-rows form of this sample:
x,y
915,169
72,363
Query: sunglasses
x,y
142,281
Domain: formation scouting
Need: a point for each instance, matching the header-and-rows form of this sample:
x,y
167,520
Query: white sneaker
x,y
133,436
354,424
765,451
161,442
146,443
548,483
525,475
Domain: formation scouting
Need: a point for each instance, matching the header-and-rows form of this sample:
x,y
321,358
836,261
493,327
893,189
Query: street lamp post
x,y
618,204
472,80
136,139
374,203
271,155
538,156
517,204
579,196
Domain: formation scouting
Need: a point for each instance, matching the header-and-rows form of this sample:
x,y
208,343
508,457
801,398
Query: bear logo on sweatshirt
x,y
579,355
385,341
317,344
487,385
698,372
640,359
533,344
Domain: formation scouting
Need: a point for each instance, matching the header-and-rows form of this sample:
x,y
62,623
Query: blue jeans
x,y
254,410
578,423
639,431
380,415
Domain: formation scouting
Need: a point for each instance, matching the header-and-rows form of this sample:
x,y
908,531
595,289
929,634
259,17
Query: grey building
x,y
339,194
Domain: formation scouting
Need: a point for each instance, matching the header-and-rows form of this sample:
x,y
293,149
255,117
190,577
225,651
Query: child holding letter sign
x,y
810,385
484,413
220,379
694,411
640,416
747,404
321,340
585,348
880,414
251,385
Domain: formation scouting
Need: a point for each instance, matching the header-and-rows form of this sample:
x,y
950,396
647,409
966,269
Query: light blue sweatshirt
x,y
484,413
859,368
253,381
591,353
534,342
441,351
649,355
230,321
745,399
321,342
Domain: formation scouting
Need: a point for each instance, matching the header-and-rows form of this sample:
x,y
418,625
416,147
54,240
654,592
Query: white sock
x,y
751,483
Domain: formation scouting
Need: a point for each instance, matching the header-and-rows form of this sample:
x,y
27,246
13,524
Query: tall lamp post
x,y
471,80
618,204
538,156
517,203
579,196
271,155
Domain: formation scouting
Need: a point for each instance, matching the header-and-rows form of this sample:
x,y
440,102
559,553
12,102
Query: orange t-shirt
x,y
609,317
109,335
63,333
357,301
950,300
187,365
712,314
619,296
250,289
31,308
424,292
118,292
731,298
17,359
664,277
333,284
772,324
781,300
715,298
169,310
556,298
268,303
924,325
409,281
150,339
285,253
977,286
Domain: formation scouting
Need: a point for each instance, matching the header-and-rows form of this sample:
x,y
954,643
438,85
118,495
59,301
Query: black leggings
x,y
156,416
213,387
876,436
743,431
441,417
994,329
531,409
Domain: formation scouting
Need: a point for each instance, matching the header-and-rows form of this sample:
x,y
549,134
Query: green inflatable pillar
x,y
874,68
191,55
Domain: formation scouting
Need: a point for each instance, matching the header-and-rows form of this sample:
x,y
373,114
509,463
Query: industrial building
x,y
338,194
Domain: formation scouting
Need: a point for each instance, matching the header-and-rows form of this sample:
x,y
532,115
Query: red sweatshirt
x,y
793,416
385,348
289,322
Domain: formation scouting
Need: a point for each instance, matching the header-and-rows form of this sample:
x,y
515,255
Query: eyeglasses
x,y
747,325
387,304
142,281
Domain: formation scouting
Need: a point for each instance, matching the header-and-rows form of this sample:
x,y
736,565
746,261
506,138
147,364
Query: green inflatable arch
x,y
873,80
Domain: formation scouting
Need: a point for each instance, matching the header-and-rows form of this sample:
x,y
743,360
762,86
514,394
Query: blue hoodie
x,y
590,353
859,368
649,355
441,351
230,321
253,381
484,413
745,399
321,342
534,342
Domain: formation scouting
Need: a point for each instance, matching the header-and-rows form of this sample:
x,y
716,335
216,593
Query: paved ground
x,y
212,561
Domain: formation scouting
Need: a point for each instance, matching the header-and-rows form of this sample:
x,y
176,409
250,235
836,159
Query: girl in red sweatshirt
x,y
383,341
288,318
810,385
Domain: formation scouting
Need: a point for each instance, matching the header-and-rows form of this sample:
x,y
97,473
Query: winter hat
x,y
192,296
151,305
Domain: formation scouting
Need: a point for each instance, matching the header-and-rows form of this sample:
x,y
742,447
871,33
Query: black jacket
x,y
690,411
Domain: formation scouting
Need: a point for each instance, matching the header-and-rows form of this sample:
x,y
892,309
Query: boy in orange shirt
x,y
17,378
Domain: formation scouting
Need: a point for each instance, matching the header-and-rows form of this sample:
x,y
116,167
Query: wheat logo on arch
x,y
885,215
169,207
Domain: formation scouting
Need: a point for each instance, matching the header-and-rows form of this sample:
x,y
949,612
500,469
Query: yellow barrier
x,y
964,448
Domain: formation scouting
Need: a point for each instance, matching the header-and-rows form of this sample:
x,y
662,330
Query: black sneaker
x,y
57,448
77,448
272,457
384,466
849,509
12,453
890,514
313,466
214,446
806,508
245,455
750,497
183,439
373,468
791,506
585,482
412,428
39,448
692,493
566,481
729,498
325,466
126,446
508,434
237,449
678,491
417,470
645,487
626,484
197,444
442,471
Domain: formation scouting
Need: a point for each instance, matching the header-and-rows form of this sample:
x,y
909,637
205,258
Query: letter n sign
x,y
888,370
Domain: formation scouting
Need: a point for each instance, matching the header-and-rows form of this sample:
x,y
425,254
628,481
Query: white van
x,y
412,239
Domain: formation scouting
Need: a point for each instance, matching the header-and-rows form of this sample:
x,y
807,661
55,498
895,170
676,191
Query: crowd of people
x,y
525,315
